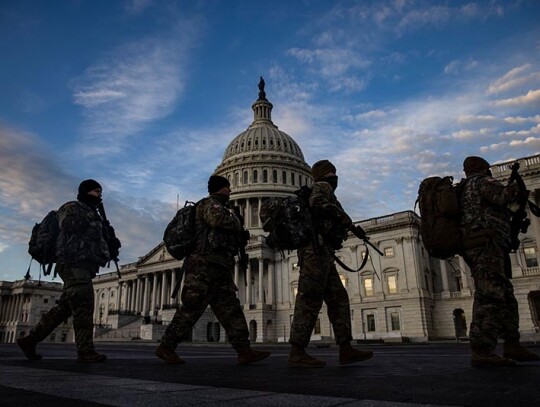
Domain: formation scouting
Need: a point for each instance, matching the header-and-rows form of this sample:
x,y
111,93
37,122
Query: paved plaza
x,y
398,375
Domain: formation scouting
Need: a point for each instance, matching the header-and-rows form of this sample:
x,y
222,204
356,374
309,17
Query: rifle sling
x,y
344,266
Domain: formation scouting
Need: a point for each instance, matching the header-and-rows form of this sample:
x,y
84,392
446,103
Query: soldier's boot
x,y
90,356
246,355
28,345
513,350
168,354
299,358
490,360
348,355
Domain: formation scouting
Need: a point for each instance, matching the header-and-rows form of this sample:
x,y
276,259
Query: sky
x,y
144,96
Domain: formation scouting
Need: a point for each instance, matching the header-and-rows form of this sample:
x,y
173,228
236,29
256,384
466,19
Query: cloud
x,y
516,77
457,66
531,98
132,87
137,6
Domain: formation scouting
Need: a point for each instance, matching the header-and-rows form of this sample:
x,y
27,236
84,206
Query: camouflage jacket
x,y
330,220
484,209
81,235
220,232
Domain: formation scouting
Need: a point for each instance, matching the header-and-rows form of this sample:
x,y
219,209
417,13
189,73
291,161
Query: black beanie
x,y
216,182
321,168
88,185
473,165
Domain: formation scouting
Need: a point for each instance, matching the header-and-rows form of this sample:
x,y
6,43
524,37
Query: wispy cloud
x,y
532,97
134,86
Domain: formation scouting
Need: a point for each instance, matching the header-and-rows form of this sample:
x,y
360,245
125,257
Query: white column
x,y
154,291
261,275
163,288
444,276
464,273
248,288
173,284
17,307
119,296
138,283
107,301
271,282
145,296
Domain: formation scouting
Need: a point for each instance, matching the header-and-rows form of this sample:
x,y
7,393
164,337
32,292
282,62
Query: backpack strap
x,y
343,265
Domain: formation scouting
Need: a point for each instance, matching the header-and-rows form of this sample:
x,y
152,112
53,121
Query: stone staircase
x,y
125,327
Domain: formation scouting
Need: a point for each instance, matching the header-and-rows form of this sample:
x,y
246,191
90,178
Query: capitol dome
x,y
262,162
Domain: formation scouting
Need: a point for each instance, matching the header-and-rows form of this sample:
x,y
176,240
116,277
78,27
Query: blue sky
x,y
145,96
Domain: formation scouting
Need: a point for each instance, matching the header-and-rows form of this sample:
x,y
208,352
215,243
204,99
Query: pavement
x,y
433,374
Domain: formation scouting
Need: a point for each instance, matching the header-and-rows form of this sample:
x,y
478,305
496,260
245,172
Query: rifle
x,y
519,223
109,235
361,234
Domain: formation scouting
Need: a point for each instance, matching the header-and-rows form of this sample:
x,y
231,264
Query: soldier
x,y
80,250
319,280
486,236
208,279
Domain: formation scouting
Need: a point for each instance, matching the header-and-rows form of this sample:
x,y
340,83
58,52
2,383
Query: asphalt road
x,y
398,375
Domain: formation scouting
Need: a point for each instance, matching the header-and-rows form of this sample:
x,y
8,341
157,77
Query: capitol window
x,y
368,286
255,176
245,178
274,177
265,176
284,177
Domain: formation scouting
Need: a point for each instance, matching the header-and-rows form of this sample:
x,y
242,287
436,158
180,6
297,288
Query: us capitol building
x,y
403,296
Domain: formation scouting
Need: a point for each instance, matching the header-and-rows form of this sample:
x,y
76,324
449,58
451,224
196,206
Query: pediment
x,y
157,255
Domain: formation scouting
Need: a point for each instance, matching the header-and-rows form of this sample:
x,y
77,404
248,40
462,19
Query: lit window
x,y
530,257
368,286
394,321
392,284
343,280
389,251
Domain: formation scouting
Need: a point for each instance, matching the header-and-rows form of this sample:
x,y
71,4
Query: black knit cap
x,y
475,164
321,168
88,185
216,182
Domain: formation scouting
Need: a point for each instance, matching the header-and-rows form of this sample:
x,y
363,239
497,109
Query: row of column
x,y
261,298
11,308
141,295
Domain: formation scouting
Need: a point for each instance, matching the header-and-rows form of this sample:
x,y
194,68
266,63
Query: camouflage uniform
x,y
208,279
486,227
80,251
319,280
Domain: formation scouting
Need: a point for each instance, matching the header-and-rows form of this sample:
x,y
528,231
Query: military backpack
x,y
42,244
438,201
287,220
180,236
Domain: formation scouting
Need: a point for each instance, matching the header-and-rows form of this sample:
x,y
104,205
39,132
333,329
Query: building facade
x,y
21,305
403,296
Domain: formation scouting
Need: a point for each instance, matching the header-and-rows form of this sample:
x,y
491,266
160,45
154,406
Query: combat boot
x,y
348,355
91,356
28,345
299,358
246,355
512,349
490,360
168,354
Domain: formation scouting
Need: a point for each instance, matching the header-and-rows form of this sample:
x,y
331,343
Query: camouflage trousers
x,y
495,309
208,284
319,281
77,300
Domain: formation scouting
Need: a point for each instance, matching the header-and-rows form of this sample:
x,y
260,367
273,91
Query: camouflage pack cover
x,y
180,236
42,244
288,222
440,217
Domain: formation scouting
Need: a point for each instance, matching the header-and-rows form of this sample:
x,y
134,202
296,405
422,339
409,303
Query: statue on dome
x,y
262,93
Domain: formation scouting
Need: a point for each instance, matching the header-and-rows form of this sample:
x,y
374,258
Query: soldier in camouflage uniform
x,y
80,250
319,280
208,279
486,236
